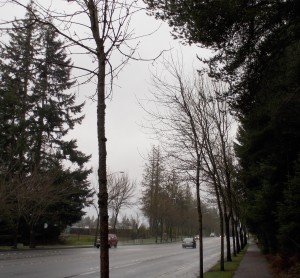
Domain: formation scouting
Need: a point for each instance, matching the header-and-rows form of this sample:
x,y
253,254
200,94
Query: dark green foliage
x,y
69,210
246,36
36,114
289,215
269,143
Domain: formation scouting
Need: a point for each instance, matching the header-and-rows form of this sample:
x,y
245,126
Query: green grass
x,y
73,239
68,240
79,239
82,240
230,267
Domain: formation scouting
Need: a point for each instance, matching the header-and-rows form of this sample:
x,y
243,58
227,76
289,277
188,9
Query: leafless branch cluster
x,y
120,194
192,121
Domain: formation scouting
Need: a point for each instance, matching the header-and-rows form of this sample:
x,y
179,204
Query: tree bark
x,y
102,171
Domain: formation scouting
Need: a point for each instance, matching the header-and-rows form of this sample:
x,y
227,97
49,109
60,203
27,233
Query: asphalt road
x,y
128,261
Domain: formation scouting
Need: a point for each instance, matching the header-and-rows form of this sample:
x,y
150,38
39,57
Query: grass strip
x,y
230,267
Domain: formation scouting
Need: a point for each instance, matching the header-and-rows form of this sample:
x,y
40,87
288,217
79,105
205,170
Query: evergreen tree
x,y
289,215
269,145
153,185
17,76
37,114
244,35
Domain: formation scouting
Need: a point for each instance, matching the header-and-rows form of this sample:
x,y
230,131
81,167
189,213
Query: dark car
x,y
112,241
189,242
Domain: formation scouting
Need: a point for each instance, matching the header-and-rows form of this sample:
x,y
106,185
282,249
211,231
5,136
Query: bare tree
x,y
215,122
120,194
29,198
194,123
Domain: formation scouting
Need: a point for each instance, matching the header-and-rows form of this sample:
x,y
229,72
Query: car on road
x,y
188,242
112,241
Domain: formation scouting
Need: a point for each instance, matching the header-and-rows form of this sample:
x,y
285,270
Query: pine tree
x,y
38,112
17,76
153,185
289,215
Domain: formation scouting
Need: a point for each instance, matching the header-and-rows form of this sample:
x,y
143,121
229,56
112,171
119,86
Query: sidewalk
x,y
254,264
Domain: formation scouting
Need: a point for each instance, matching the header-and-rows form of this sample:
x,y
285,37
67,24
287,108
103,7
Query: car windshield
x,y
188,239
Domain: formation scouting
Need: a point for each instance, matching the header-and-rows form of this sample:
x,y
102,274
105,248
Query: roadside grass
x,y
78,240
73,239
66,242
230,267
150,240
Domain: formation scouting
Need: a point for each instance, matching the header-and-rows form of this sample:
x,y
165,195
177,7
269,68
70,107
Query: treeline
x,y
169,204
43,178
256,52
194,168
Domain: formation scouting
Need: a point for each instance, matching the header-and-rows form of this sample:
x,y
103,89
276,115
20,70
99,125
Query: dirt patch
x,y
284,267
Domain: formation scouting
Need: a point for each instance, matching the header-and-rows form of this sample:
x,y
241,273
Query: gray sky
x,y
127,143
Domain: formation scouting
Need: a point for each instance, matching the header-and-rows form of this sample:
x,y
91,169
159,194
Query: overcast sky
x,y
128,144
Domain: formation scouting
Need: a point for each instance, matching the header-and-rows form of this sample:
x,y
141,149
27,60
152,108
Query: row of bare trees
x,y
195,128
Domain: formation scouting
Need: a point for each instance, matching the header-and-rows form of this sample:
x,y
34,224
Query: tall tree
x,y
17,76
289,215
268,145
152,183
35,73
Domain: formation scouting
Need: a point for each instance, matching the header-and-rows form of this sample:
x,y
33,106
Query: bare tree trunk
x,y
233,235
227,232
200,232
222,267
238,245
97,229
15,235
102,174
244,236
103,195
32,237
200,218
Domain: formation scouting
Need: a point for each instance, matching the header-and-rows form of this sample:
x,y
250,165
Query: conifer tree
x,y
37,114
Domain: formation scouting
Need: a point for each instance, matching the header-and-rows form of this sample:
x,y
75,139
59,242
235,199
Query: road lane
x,y
134,261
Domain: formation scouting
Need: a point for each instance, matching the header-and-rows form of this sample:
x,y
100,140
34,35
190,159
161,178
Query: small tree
x,y
120,194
